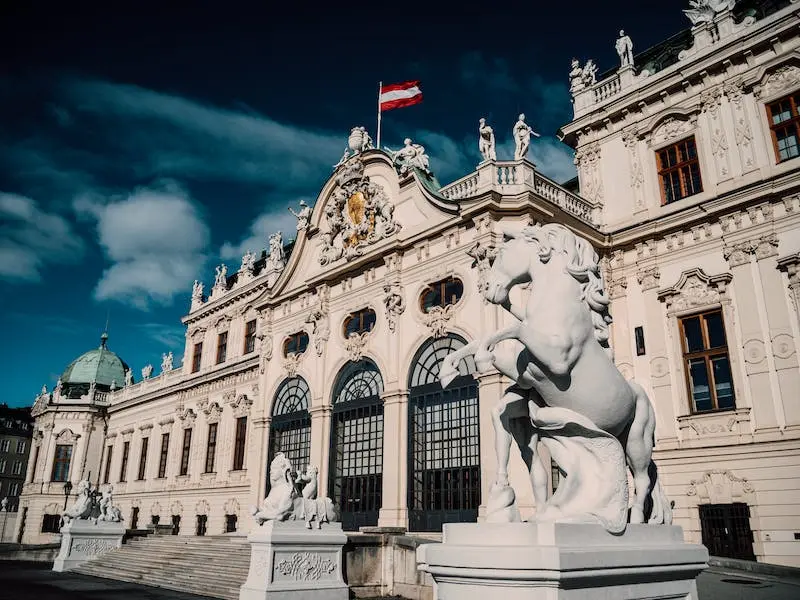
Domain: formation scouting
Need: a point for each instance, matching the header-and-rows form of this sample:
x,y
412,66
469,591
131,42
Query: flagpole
x,y
380,89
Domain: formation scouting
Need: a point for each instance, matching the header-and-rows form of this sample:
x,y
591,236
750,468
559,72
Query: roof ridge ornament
x,y
704,11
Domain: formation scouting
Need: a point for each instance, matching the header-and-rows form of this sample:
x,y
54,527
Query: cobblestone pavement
x,y
35,581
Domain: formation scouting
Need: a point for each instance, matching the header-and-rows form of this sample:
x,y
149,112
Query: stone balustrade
x,y
517,176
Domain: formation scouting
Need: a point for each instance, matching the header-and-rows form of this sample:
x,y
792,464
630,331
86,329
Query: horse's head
x,y
511,266
279,469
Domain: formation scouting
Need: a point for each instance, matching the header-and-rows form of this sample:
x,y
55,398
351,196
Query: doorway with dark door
x,y
726,530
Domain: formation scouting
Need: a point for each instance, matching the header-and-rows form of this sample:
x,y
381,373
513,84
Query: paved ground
x,y
35,581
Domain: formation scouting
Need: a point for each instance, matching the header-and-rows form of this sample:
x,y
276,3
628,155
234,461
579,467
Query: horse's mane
x,y
582,264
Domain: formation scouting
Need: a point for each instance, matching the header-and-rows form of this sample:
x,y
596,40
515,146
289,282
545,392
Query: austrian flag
x,y
399,95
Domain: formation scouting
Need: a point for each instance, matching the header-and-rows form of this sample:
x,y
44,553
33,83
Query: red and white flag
x,y
399,95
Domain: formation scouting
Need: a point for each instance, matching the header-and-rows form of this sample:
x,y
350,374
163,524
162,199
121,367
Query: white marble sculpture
x,y
486,143
410,156
276,259
286,503
359,140
147,371
575,77
106,509
589,73
83,505
166,362
358,213
522,137
220,279
704,11
4,504
248,263
128,377
624,47
567,391
303,217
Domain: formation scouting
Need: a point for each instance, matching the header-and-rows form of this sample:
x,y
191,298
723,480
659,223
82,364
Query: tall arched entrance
x,y
444,474
356,456
290,429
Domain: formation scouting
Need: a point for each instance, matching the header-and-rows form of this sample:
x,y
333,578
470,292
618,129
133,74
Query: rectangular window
x,y
162,461
61,462
250,337
784,124
14,489
21,447
239,446
196,356
123,469
211,448
638,334
17,469
222,347
187,446
705,357
143,458
202,524
51,523
230,523
679,171
107,476
5,445
3,463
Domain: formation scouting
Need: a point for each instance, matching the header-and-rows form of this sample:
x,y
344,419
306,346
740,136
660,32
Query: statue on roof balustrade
x,y
486,141
624,47
522,137
576,77
410,156
303,217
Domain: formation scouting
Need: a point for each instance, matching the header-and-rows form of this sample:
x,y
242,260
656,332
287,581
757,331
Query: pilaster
x,y
394,509
320,447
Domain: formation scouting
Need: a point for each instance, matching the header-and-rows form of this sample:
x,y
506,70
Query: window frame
x,y
58,460
222,347
707,354
197,356
163,456
143,448
297,336
794,120
250,336
239,444
109,454
186,449
123,467
211,447
661,171
360,316
442,284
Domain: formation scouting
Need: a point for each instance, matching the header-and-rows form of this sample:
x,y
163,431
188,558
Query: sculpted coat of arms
x,y
358,213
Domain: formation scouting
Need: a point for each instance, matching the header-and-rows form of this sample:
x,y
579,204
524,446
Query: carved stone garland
x,y
587,159
482,260
711,101
742,131
394,303
631,141
438,318
358,213
355,344
318,318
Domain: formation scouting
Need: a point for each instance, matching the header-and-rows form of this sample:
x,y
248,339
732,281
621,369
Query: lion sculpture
x,y
293,497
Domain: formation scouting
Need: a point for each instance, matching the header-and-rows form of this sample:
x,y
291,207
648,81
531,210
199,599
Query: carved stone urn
x,y
356,139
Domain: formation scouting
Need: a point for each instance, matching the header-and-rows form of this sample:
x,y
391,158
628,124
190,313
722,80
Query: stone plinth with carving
x,y
554,561
83,540
289,561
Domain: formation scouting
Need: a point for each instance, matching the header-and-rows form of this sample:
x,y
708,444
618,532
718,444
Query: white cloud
x,y
169,336
30,238
256,238
156,240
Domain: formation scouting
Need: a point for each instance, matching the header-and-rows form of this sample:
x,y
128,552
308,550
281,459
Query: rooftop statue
x,y
567,391
293,497
486,144
522,137
704,11
128,377
624,47
248,262
410,156
276,259
303,217
166,362
589,74
220,279
147,371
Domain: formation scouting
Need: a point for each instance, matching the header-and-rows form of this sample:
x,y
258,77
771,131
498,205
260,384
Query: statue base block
x,y
562,561
290,562
83,540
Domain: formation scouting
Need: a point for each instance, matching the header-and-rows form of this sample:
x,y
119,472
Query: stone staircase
x,y
214,566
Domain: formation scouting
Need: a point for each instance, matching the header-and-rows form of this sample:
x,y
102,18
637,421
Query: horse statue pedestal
x,y
560,561
289,561
83,540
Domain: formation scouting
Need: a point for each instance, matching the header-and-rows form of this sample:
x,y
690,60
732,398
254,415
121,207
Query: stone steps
x,y
207,566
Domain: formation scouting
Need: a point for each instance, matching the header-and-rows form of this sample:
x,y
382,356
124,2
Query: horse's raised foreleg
x,y
639,450
483,354
448,370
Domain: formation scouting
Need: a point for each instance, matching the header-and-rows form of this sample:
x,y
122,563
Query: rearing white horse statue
x,y
561,361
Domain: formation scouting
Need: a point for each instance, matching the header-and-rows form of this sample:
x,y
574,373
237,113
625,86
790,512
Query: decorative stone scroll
x,y
355,344
786,77
319,319
358,214
482,261
394,303
695,289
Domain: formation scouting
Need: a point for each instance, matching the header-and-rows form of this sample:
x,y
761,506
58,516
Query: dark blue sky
x,y
141,145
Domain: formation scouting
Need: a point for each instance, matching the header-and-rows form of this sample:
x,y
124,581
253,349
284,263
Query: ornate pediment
x,y
784,78
358,213
695,289
719,486
673,127
67,436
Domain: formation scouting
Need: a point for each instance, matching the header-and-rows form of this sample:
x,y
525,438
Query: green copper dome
x,y
99,366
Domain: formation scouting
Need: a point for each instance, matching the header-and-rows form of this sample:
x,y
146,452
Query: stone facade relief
x,y
743,133
631,140
671,128
784,78
438,318
695,289
482,261
648,278
358,214
291,363
394,303
587,160
791,266
719,486
711,101
319,319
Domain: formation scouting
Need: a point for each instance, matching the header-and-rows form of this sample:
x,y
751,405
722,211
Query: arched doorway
x,y
356,456
290,429
444,474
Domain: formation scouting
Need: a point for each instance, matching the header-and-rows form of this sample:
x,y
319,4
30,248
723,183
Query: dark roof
x,y
665,54
16,421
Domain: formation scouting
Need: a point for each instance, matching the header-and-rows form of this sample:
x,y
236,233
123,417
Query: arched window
x,y
441,293
360,321
444,475
356,457
295,343
290,429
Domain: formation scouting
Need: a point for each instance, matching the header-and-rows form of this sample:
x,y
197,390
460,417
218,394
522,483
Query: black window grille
x,y
230,523
356,457
444,440
51,524
155,519
176,524
134,517
726,530
202,524
290,429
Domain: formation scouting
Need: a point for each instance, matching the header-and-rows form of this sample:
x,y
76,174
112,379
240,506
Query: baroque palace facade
x,y
329,350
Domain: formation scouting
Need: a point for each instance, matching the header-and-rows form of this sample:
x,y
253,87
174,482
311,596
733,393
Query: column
x,y
394,509
753,347
320,447
782,343
665,403
257,464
